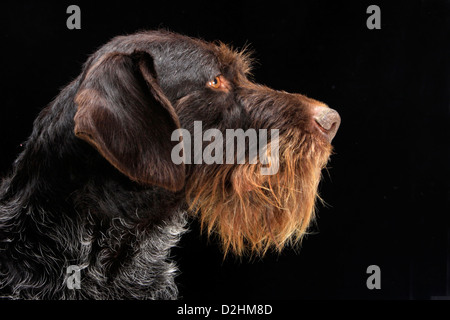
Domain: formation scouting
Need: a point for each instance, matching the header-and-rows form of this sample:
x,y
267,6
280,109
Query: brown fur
x,y
249,212
96,185
256,212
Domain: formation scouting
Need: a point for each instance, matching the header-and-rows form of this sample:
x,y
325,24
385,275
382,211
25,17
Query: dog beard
x,y
252,213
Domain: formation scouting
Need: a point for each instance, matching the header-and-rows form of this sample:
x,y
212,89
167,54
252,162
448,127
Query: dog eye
x,y
215,83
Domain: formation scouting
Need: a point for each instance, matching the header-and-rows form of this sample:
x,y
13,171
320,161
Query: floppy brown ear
x,y
124,114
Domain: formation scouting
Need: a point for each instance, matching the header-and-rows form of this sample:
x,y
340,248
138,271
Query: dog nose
x,y
328,121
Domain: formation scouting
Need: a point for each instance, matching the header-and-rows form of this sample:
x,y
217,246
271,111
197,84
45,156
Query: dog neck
x,y
51,218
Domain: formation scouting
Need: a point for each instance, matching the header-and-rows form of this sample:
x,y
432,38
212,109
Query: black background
x,y
387,187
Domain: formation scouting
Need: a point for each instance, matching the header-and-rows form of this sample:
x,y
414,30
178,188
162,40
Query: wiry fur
x,y
95,186
258,212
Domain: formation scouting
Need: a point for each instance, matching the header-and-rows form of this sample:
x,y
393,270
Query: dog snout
x,y
327,120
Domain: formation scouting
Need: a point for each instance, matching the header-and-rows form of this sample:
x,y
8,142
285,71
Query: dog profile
x,y
96,186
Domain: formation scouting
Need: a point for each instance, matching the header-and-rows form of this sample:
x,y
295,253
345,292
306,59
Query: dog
x,y
96,188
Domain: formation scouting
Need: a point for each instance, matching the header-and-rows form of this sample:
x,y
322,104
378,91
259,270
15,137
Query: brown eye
x,y
215,83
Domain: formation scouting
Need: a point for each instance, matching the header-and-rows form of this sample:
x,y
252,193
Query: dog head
x,y
149,97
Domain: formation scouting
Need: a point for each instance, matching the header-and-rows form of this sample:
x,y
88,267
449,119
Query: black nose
x,y
328,121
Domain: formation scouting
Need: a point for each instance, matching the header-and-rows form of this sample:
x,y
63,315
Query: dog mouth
x,y
252,213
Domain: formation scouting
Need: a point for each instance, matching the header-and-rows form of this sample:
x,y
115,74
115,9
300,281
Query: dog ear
x,y
124,114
